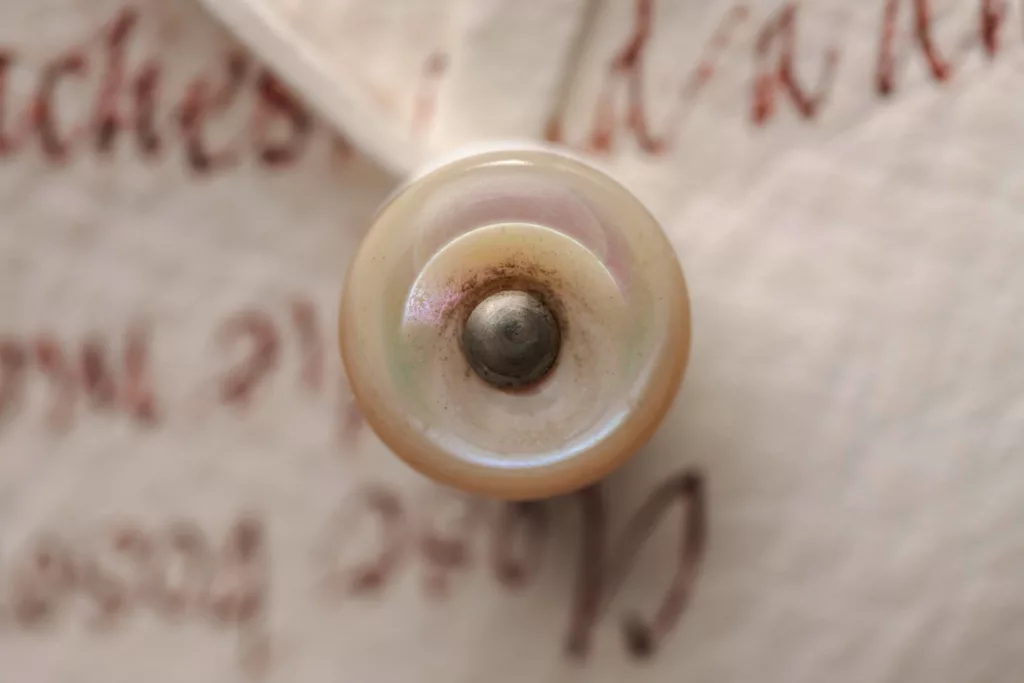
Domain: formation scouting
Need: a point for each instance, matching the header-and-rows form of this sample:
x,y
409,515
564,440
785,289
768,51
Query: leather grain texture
x,y
187,492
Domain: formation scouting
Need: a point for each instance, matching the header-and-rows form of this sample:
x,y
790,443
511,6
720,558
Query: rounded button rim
x,y
618,445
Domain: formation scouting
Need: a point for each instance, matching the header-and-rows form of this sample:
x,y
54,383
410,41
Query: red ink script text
x,y
117,375
781,77
132,111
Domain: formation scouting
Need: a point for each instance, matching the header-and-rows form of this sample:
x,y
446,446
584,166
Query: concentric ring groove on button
x,y
521,220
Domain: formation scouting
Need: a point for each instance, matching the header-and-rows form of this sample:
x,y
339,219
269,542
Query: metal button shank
x,y
511,339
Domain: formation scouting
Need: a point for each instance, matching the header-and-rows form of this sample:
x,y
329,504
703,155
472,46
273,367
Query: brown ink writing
x,y
774,69
446,531
205,101
939,67
258,332
373,569
118,374
626,70
307,324
602,569
399,536
519,538
775,56
13,360
106,379
425,103
132,99
283,112
175,571
993,15
141,88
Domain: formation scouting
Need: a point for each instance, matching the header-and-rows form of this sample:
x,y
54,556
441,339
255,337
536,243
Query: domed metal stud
x,y
511,339
515,324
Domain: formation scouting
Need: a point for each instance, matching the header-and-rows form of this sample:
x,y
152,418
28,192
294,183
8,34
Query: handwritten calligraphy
x,y
776,55
177,571
518,535
85,371
174,572
776,49
59,578
78,371
120,379
131,99
602,573
126,567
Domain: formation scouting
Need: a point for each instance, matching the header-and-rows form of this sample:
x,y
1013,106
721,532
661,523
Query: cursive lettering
x,y
774,70
132,99
601,573
375,535
122,568
83,370
374,504
262,358
120,379
520,535
775,50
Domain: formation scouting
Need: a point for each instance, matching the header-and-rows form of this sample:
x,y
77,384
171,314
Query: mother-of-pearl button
x,y
566,244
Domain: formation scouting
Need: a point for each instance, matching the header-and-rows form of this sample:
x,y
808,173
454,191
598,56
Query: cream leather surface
x,y
188,493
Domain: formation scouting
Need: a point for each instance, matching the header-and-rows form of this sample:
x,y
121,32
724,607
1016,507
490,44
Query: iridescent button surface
x,y
515,324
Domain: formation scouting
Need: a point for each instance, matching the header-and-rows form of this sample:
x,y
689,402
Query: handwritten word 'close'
x,y
175,571
444,531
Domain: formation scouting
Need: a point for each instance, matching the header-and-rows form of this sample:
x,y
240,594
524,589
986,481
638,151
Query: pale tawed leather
x,y
188,493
